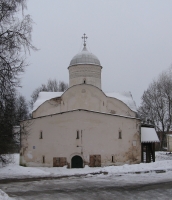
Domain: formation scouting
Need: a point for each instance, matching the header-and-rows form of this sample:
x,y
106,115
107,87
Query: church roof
x,y
81,110
84,57
44,96
125,97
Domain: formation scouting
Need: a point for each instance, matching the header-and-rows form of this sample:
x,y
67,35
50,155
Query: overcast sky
x,y
131,38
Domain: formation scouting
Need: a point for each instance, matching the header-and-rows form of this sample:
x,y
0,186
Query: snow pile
x,y
44,96
163,155
141,168
4,196
125,97
13,170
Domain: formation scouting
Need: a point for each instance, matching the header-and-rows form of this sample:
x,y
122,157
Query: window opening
x,y
43,159
120,135
77,134
112,158
41,135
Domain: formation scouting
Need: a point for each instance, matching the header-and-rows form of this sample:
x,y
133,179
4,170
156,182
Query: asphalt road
x,y
93,188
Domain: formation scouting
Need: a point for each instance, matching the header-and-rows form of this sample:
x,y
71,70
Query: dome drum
x,y
85,68
87,74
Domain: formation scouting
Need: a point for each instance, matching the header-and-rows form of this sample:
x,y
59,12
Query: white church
x,y
84,125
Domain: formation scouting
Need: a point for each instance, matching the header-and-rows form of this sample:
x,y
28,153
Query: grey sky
x,y
131,38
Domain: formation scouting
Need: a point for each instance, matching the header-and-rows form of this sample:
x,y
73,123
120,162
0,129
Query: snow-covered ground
x,y
13,170
4,196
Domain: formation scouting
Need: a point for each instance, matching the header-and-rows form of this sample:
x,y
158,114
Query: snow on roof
x,y
44,96
148,135
125,97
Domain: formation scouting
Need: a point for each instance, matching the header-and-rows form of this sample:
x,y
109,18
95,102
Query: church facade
x,y
83,125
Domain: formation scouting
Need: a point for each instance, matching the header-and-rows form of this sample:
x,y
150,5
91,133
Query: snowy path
x,y
100,187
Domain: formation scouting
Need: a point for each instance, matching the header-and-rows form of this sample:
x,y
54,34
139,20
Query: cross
x,y
84,37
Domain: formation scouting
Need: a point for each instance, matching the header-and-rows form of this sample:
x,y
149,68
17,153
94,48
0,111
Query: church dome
x,y
84,57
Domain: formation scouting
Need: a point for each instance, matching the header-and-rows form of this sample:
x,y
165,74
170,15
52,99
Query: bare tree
x,y
156,103
21,109
51,86
62,86
15,42
15,38
7,118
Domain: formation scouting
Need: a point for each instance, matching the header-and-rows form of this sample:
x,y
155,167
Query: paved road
x,y
94,188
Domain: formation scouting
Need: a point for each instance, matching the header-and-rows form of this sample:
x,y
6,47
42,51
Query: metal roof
x,y
84,57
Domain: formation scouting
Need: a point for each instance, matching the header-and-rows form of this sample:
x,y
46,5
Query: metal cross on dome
x,y
84,37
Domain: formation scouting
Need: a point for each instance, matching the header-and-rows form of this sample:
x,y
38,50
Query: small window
x,y
43,159
84,81
41,135
77,134
112,159
120,135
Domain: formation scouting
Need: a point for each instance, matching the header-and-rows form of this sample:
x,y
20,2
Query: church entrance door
x,y
77,162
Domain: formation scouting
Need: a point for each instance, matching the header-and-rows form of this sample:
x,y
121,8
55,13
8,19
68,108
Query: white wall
x,y
100,134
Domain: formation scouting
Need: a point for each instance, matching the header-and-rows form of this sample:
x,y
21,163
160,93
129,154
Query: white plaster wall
x,y
84,97
99,136
90,73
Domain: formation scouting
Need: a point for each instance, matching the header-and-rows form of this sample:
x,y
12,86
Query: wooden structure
x,y
148,152
95,161
148,139
169,142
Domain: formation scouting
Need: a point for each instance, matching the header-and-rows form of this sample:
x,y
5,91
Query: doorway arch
x,y
77,162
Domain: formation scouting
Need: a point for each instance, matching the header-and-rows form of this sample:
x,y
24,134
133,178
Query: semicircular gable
x,y
50,106
116,106
83,96
89,85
